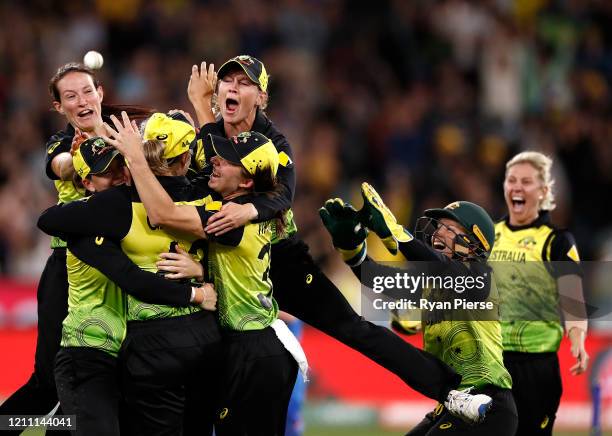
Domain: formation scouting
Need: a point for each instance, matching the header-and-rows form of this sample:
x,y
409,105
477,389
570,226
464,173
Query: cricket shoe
x,y
468,407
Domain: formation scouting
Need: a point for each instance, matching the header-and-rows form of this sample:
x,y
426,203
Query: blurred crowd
x,y
426,99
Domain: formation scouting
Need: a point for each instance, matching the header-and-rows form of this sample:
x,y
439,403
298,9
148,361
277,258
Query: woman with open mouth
x,y
538,270
300,287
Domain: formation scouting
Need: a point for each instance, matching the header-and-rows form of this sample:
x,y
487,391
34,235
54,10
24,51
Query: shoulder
x,y
57,144
563,246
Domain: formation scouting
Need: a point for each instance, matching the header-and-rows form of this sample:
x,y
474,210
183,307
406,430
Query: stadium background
x,y
426,99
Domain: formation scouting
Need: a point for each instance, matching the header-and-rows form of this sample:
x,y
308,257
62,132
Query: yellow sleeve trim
x,y
573,254
284,159
53,147
214,206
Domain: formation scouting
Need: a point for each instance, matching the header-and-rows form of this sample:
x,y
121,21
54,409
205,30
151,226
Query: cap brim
x,y
224,148
103,162
226,67
442,213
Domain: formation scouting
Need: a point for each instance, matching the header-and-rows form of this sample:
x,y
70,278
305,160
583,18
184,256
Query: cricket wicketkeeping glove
x,y
378,218
348,234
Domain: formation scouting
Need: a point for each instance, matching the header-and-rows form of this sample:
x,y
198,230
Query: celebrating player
x,y
259,370
78,96
166,348
300,287
87,369
538,270
455,242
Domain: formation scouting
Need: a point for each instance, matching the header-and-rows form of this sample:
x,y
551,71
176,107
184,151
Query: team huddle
x,y
174,248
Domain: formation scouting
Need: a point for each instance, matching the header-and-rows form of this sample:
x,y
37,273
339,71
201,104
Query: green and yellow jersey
x,y
143,243
96,309
466,338
119,215
468,344
527,282
239,266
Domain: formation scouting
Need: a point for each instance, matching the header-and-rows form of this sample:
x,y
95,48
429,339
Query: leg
x,y
427,423
302,290
88,387
203,391
39,395
159,357
258,382
536,387
500,421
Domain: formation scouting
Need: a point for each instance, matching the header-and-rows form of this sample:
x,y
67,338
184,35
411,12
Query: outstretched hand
x,y
378,218
342,222
125,137
78,138
202,82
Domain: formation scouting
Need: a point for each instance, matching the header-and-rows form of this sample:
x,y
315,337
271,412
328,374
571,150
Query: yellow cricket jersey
x,y
527,282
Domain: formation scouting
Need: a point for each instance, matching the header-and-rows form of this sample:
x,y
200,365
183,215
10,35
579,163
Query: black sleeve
x,y
470,280
107,213
368,273
58,143
231,238
202,150
563,255
269,205
107,257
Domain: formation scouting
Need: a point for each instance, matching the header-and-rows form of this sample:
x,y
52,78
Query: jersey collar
x,y
260,124
542,219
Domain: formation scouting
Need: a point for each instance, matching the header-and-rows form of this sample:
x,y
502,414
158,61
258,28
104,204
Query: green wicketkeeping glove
x,y
348,234
378,218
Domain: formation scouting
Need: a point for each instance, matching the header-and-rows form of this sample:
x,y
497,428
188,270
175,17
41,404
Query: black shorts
x,y
166,363
537,388
88,387
258,380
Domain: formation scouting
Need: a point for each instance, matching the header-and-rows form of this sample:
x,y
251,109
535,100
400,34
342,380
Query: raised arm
x,y
202,83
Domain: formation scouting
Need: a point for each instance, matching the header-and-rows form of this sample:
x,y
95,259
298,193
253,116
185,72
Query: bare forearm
x,y
203,110
571,300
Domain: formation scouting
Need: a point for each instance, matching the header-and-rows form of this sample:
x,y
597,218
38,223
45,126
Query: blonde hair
x,y
154,154
543,165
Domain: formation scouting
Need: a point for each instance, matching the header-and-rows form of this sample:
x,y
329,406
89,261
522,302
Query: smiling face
x,y
238,98
116,174
227,178
443,239
523,192
80,101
